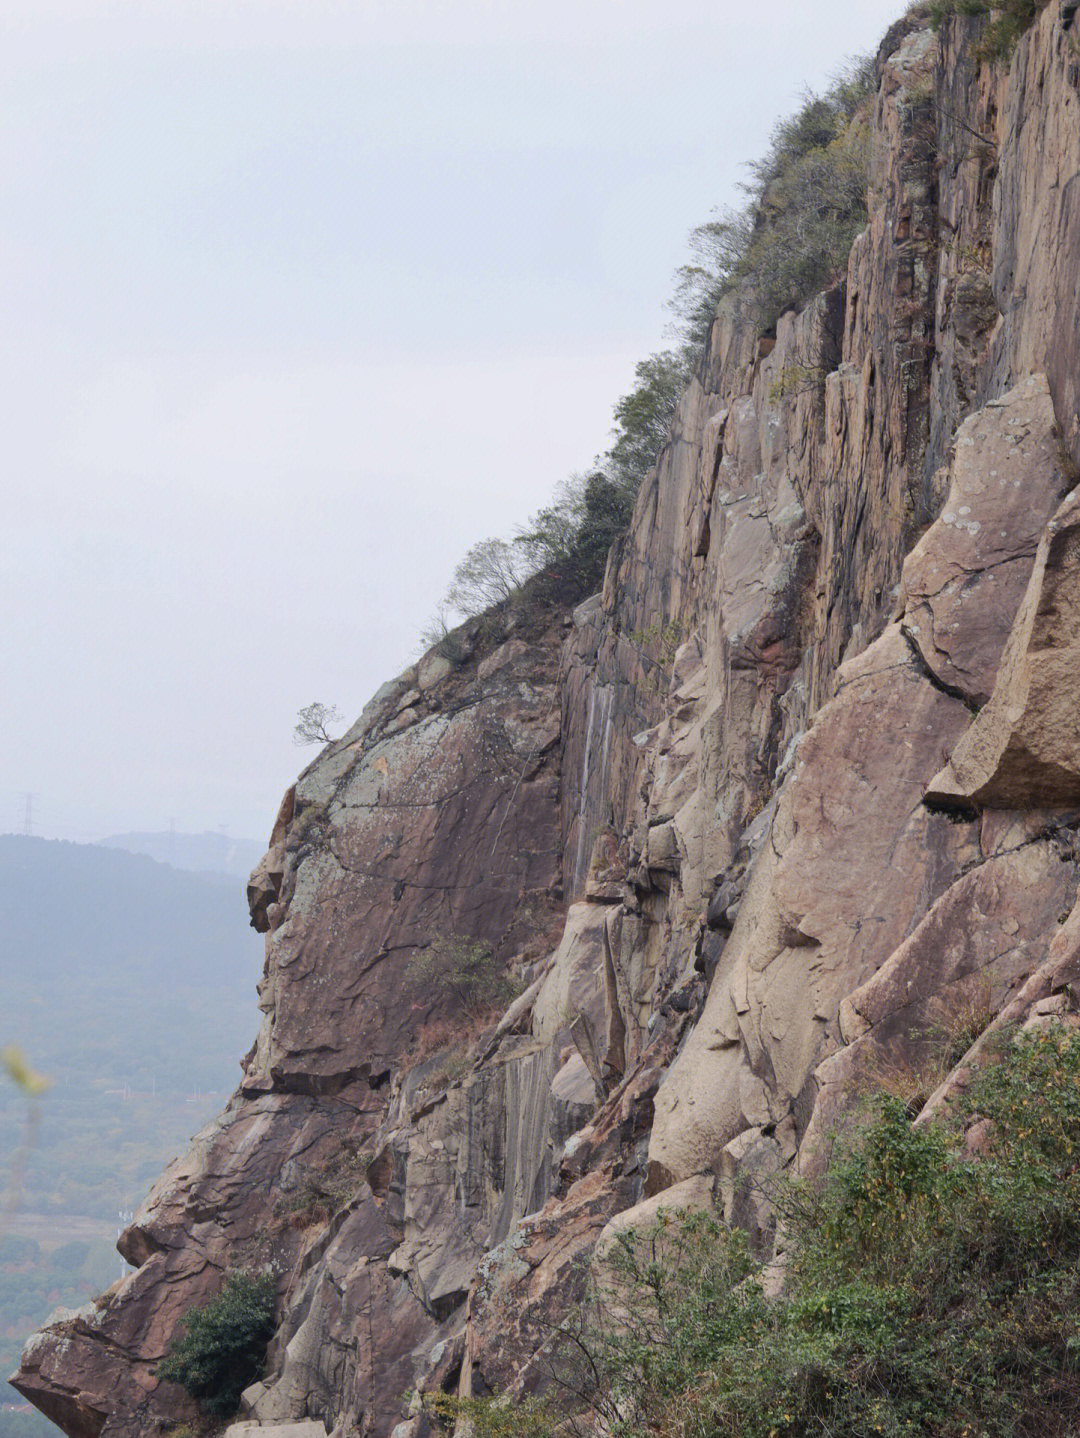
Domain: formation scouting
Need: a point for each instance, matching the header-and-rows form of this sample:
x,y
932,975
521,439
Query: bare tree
x,y
490,573
312,724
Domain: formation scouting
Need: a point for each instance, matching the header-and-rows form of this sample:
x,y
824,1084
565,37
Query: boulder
x,y
1023,748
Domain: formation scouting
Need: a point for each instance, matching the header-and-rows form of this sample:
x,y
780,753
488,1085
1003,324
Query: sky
x,y
299,301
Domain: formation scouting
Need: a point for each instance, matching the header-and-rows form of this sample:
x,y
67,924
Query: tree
x,y
719,246
312,724
643,417
492,572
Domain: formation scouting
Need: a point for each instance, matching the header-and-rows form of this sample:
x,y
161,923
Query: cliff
x,y
801,782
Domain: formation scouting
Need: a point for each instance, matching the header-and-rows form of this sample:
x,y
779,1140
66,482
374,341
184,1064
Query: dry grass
x,y
962,1014
320,1192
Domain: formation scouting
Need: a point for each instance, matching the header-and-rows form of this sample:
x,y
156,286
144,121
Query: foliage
x,y
312,724
567,544
796,379
31,1085
490,573
492,1419
468,969
562,550
451,641
1005,22
913,1075
657,644
444,1047
807,202
643,417
14,1064
659,640
930,1293
223,1346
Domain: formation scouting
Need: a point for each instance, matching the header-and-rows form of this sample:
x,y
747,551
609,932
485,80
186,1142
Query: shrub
x,y
466,968
487,1419
929,1293
223,1345
567,543
960,1017
807,202
448,1041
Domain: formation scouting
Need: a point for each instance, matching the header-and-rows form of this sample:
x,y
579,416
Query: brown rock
x,y
264,886
966,962
852,862
963,582
728,711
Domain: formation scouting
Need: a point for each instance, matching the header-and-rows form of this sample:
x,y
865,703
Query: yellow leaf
x,y
14,1064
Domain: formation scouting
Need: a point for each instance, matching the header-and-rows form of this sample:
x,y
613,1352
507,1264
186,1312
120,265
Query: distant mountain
x,y
208,853
131,986
125,981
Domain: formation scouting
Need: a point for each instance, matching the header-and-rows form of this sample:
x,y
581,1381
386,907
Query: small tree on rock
x,y
312,724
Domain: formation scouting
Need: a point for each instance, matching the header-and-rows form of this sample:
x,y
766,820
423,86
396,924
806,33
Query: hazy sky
x,y
299,301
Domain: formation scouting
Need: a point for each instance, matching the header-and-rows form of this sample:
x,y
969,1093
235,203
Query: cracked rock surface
x,y
792,804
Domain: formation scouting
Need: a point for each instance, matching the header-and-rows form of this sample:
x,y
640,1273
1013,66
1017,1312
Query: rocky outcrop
x,y
607,912
1024,748
434,819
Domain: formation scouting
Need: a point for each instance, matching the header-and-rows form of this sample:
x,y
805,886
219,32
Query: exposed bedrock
x,y
618,909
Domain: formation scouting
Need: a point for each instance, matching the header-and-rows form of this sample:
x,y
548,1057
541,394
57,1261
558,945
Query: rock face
x,y
1024,747
605,913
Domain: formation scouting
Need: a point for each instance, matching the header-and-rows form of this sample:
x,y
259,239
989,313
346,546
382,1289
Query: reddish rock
x,y
1023,749
724,770
963,582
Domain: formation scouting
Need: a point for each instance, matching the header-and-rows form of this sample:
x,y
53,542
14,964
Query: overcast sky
x,y
299,301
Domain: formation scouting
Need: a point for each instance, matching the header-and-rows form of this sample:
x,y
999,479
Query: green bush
x,y
223,1346
807,202
1005,22
930,1293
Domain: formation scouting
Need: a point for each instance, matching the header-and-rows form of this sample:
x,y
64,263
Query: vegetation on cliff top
x,y
932,1289
1005,22
806,202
